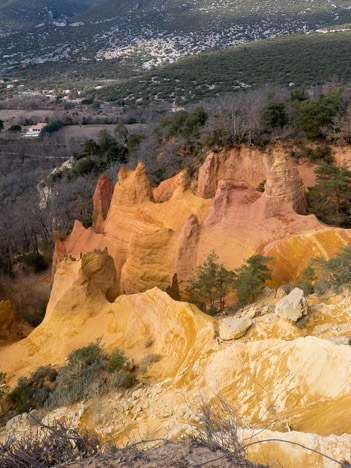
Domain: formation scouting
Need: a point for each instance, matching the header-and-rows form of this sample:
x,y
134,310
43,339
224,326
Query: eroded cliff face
x,y
155,234
290,378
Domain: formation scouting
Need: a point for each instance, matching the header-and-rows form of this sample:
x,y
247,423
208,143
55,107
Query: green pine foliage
x,y
184,124
322,275
251,278
274,115
330,198
210,285
313,115
307,281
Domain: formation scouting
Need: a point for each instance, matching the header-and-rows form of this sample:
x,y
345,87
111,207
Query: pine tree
x,y
306,283
251,278
210,285
330,198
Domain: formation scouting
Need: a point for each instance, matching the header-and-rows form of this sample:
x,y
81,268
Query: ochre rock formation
x,y
7,320
151,242
277,375
83,306
246,164
101,200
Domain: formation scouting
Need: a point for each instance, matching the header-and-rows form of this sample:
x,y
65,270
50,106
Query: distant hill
x,y
301,59
150,32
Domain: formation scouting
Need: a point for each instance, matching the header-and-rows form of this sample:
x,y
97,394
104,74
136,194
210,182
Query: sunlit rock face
x,y
153,234
279,375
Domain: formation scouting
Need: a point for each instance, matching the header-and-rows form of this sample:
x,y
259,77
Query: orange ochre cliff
x,y
155,234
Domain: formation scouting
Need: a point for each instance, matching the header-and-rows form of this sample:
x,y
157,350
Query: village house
x,y
34,130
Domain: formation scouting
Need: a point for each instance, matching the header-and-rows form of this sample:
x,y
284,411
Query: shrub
x,y
122,379
87,355
147,361
15,128
82,167
274,115
321,153
148,343
81,378
34,391
87,101
52,128
260,187
116,361
335,272
134,141
35,261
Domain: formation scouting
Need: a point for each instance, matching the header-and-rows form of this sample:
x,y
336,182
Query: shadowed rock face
x,y
101,200
151,242
7,320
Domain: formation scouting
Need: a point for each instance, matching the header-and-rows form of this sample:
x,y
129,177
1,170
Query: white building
x,y
34,130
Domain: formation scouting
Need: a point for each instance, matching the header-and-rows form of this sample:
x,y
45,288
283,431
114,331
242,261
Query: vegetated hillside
x,y
293,60
150,31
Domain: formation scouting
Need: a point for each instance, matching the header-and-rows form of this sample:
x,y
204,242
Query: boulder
x,y
234,328
341,340
293,306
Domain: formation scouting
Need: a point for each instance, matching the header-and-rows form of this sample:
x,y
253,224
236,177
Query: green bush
x,y
260,187
35,262
87,355
116,361
52,128
274,115
122,379
83,167
147,361
134,140
33,392
15,128
335,272
321,153
330,198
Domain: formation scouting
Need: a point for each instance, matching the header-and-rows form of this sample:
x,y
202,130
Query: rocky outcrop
x,y
234,328
284,190
133,187
305,378
242,164
101,201
166,188
247,164
293,306
151,242
187,248
7,320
